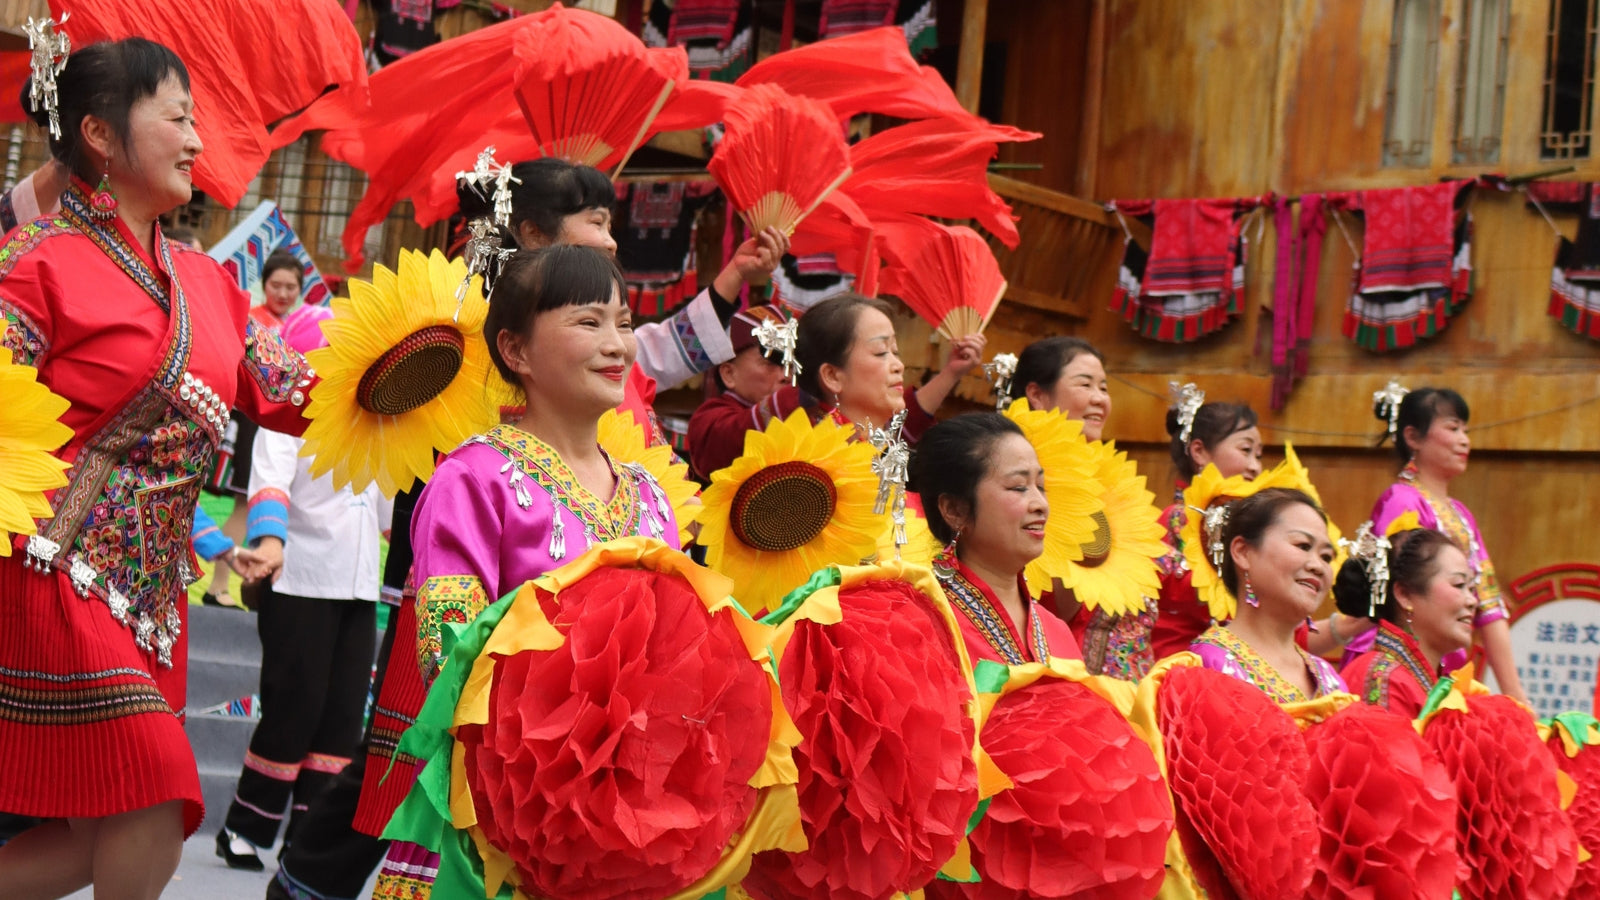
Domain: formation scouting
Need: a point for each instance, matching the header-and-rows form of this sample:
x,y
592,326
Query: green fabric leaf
x,y
822,578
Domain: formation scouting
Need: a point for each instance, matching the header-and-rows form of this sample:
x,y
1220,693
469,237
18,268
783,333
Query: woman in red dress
x,y
1425,615
1224,435
982,489
152,343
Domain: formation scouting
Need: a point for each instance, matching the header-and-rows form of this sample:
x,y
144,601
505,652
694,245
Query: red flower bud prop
x,y
1511,833
1574,744
1236,764
882,697
1088,815
1386,807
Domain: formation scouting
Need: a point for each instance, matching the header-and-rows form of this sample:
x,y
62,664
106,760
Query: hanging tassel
x,y
524,498
558,537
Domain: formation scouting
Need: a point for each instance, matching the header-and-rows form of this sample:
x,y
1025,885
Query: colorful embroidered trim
x,y
444,599
1396,649
1260,673
975,605
602,521
277,771
324,763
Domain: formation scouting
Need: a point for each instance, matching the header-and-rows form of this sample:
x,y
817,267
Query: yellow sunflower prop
x,y
798,499
29,430
1069,485
1118,568
404,374
623,439
1210,489
920,547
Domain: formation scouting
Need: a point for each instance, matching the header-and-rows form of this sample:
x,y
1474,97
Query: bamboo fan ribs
x,y
589,91
946,274
781,156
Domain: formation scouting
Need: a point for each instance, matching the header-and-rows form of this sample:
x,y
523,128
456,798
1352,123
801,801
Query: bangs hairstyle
x,y
551,190
538,281
104,80
1418,410
951,459
1042,363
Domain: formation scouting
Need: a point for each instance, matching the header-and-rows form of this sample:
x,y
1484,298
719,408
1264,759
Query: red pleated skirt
x,y
90,725
389,773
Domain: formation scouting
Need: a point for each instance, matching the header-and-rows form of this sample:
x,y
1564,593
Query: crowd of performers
x,y
958,658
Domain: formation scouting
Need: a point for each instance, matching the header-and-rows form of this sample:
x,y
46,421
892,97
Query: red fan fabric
x,y
1088,815
619,764
937,268
777,142
887,779
250,64
1512,836
838,226
1584,814
1386,807
587,87
872,71
15,71
1236,764
935,167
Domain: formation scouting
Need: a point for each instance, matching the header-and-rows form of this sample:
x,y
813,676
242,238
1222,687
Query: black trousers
x,y
329,859
316,667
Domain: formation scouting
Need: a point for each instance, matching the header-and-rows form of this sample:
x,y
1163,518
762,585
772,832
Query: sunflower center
x,y
1098,547
413,372
783,506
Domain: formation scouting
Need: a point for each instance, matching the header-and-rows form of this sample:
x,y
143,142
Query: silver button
x,y
297,398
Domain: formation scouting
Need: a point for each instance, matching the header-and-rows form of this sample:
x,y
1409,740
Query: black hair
x,y
550,189
826,334
104,80
951,459
1418,410
1250,518
536,281
1041,362
1213,424
1413,562
283,259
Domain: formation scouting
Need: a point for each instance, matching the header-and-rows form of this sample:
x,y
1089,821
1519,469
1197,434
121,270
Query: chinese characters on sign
x,y
1557,649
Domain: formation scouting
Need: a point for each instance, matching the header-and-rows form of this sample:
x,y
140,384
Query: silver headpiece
x,y
1187,399
1213,520
1000,371
776,338
492,181
892,466
1372,550
1387,403
50,50
483,247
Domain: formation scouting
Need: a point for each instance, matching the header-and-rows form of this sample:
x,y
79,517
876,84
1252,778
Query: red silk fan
x,y
946,274
780,157
587,88
872,71
936,167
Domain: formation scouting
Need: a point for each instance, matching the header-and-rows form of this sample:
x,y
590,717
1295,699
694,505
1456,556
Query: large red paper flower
x,y
1236,764
1087,816
1584,813
1513,837
1386,806
887,776
619,764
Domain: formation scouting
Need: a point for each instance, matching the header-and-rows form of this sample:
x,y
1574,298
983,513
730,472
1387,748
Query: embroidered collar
x,y
978,604
1259,672
109,237
604,521
1403,649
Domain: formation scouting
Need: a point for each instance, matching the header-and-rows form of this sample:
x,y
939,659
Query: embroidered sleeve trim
x,y
447,599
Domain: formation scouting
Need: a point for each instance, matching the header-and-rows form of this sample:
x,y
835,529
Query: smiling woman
x,y
1279,560
152,344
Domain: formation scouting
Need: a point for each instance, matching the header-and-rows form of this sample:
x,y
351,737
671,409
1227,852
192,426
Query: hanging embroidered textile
x,y
719,35
916,18
801,282
1189,282
1575,278
1416,262
1294,289
655,232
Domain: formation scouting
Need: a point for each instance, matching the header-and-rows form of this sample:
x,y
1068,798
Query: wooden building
x,y
1175,100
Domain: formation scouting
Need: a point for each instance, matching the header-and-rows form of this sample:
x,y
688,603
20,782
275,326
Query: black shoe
x,y
237,852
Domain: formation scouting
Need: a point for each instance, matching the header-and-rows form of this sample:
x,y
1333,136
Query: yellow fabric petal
x,y
29,434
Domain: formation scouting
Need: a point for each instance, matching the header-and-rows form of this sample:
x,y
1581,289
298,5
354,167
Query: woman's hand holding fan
x,y
780,157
